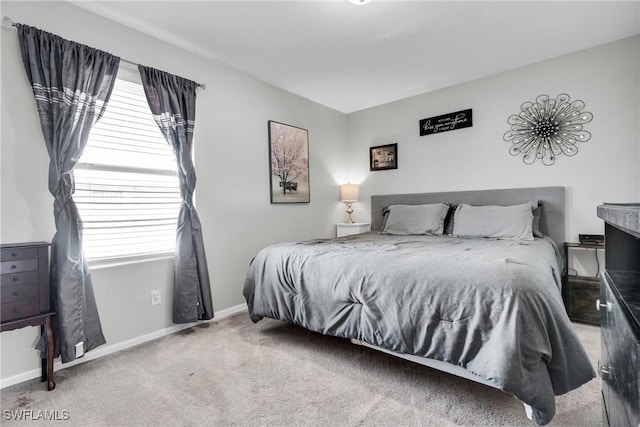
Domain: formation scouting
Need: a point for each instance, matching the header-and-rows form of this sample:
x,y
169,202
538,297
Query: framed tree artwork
x,y
288,163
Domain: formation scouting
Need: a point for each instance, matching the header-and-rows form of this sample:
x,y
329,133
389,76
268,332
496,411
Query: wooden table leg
x,y
43,361
49,330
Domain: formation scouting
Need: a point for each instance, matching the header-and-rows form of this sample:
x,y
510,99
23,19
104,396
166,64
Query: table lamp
x,y
349,194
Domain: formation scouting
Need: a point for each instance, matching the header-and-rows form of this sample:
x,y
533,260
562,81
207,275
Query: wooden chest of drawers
x,y
620,348
24,293
620,310
24,280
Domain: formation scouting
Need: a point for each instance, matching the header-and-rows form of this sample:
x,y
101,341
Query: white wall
x,y
606,168
231,152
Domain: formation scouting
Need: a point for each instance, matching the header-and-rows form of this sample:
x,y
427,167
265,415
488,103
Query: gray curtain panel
x,y
172,100
72,84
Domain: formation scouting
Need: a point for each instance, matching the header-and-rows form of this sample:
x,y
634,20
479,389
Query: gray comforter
x,y
492,307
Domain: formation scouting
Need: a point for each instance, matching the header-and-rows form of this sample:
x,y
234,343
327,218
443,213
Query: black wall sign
x,y
445,122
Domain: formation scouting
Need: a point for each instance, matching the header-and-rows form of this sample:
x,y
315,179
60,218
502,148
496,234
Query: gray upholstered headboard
x,y
551,220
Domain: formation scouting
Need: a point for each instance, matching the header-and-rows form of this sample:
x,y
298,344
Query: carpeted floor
x,y
271,373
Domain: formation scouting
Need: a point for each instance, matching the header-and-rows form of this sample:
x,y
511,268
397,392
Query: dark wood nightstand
x,y
24,282
581,292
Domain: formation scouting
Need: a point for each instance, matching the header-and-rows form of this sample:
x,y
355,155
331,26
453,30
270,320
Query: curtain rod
x,y
9,24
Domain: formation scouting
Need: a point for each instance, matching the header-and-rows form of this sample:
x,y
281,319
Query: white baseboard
x,y
108,349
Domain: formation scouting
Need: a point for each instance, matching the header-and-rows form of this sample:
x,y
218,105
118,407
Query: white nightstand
x,y
343,229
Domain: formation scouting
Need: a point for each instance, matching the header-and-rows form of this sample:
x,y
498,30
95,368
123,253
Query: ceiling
x,y
350,57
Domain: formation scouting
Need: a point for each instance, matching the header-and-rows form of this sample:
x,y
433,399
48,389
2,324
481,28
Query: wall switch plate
x,y
156,297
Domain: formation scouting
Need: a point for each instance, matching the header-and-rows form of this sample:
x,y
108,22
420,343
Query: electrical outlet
x,y
80,349
156,297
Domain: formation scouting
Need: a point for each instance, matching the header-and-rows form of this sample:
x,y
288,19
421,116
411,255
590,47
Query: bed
x,y
487,307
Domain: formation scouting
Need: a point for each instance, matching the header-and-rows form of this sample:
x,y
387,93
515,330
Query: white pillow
x,y
416,219
501,222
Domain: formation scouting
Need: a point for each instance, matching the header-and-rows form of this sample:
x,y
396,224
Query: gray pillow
x,y
536,205
416,219
501,222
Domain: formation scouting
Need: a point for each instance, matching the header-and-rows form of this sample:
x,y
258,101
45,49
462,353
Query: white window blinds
x,y
127,188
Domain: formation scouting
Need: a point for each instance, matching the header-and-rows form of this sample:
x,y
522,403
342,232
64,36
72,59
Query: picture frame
x,y
383,157
288,163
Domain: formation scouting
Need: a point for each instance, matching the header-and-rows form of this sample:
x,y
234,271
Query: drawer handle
x,y
13,267
15,279
16,310
13,254
599,305
602,371
15,293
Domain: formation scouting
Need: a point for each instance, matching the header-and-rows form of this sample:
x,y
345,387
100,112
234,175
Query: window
x,y
127,189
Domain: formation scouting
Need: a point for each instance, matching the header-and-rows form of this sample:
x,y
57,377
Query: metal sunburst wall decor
x,y
547,128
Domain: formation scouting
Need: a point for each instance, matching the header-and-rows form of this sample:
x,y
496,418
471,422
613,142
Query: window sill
x,y
118,262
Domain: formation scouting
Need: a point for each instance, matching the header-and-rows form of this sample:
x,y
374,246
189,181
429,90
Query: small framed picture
x,y
383,157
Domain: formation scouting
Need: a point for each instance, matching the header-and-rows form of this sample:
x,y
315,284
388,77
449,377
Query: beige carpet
x,y
274,374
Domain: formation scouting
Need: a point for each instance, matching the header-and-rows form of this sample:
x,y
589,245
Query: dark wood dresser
x,y
619,306
24,286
